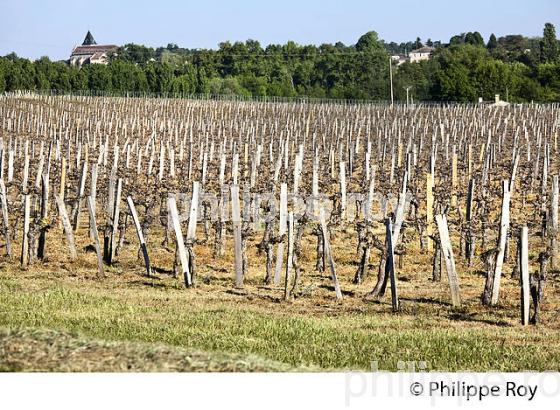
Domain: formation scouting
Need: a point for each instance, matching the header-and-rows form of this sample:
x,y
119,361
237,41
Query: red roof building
x,y
90,52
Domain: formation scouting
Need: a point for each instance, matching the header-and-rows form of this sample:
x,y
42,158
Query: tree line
x,y
520,69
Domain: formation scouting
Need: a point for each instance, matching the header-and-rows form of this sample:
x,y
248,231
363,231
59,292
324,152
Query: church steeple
x,y
89,40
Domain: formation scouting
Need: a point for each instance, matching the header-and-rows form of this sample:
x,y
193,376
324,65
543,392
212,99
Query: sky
x,y
35,28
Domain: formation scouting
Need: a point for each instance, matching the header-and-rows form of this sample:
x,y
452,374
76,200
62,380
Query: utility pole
x,y
391,78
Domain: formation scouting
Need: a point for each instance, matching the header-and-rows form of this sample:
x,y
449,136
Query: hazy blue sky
x,y
33,28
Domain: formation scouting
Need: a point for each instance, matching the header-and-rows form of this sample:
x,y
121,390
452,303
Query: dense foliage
x,y
518,68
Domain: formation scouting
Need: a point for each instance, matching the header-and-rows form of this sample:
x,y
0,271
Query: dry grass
x,y
42,350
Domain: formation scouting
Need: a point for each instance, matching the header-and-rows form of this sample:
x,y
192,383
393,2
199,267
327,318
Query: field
x,y
59,312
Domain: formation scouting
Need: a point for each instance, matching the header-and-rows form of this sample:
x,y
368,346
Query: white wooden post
x,y
554,222
5,220
191,229
343,200
524,271
289,259
281,231
238,249
141,239
504,226
25,239
235,169
315,186
174,215
81,191
115,220
222,169
447,252
95,235
67,226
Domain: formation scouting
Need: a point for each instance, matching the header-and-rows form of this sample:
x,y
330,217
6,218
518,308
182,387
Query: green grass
x,y
210,322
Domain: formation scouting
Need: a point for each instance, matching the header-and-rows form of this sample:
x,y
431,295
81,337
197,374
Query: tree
x,y
44,73
182,85
225,86
461,71
135,53
455,79
549,77
369,42
257,86
20,75
492,42
61,76
492,77
549,44
78,79
3,66
99,77
456,40
474,38
414,75
418,43
123,76
514,43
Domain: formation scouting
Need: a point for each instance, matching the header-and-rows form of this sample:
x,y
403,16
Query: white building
x,y
90,52
399,59
420,54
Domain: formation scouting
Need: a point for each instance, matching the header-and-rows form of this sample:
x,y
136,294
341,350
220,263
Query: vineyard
x,y
277,235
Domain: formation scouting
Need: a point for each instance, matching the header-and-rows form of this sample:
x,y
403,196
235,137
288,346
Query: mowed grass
x,y
315,331
29,349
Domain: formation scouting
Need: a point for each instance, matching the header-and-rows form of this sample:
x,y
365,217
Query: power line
x,y
220,53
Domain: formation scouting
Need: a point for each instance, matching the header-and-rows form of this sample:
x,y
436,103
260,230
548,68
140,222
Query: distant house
x,y
399,59
420,54
90,52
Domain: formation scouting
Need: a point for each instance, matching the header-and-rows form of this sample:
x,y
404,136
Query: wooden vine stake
x,y
5,220
174,215
44,215
327,250
454,180
390,264
281,231
554,223
289,258
95,236
429,209
238,250
315,186
470,241
25,238
81,191
447,252
115,222
62,178
504,226
343,199
141,239
193,211
191,230
524,270
67,225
